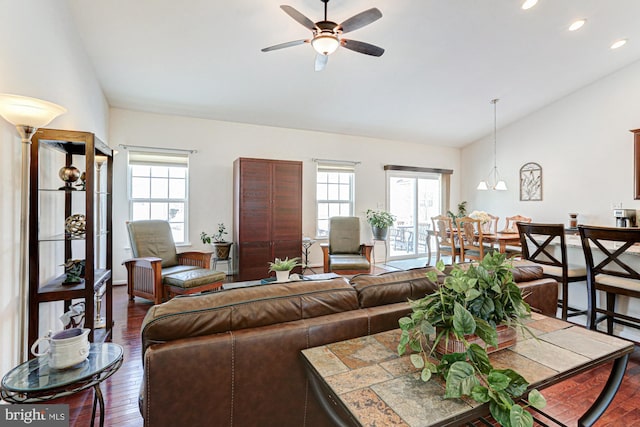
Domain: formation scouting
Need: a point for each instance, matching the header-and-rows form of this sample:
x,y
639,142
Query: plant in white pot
x,y
283,267
468,313
380,222
221,246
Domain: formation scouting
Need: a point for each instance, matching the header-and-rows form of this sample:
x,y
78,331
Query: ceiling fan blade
x,y
321,61
306,22
362,47
360,20
283,45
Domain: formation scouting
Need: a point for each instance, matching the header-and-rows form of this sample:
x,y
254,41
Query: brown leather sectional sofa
x,y
232,358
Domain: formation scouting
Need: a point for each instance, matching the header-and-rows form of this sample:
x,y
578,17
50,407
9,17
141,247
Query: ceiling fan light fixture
x,y
325,43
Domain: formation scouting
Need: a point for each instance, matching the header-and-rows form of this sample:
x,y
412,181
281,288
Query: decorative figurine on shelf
x,y
75,225
83,182
69,174
74,269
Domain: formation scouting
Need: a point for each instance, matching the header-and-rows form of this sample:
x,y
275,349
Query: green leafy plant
x,y
472,300
284,264
215,237
380,219
462,211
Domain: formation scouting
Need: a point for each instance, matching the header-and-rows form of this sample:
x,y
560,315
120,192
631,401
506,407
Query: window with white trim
x,y
159,188
334,193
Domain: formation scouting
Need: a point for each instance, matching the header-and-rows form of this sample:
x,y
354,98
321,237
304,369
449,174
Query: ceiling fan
x,y
327,35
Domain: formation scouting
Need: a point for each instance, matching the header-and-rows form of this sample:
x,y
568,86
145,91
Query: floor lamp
x,y
27,114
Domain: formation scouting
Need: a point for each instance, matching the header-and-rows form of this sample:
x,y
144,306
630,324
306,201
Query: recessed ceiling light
x,y
528,4
576,25
619,43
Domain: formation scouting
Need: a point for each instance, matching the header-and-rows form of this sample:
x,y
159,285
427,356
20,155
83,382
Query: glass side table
x,y
34,381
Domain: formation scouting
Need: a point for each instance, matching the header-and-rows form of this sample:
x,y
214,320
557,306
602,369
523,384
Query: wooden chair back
x,y
443,231
610,272
510,223
470,235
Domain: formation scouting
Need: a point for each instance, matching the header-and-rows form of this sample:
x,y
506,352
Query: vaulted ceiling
x,y
444,61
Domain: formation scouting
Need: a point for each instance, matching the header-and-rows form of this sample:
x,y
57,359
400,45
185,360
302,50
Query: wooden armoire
x,y
267,214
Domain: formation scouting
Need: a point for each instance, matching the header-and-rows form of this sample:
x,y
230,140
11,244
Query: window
x,y
414,195
334,193
158,189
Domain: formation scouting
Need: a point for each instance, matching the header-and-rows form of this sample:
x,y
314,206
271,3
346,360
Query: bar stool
x,y
538,242
612,275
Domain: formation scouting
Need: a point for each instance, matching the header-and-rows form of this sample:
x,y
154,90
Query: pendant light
x,y
493,181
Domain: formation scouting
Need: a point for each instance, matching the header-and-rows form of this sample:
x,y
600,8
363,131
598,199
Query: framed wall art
x,y
531,182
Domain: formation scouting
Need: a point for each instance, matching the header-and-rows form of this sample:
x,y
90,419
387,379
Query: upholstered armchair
x,y
344,254
158,272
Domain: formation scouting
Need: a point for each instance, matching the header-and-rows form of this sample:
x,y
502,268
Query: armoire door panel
x,y
287,201
254,260
267,210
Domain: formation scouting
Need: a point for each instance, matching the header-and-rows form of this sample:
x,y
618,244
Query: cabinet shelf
x,y
50,150
56,290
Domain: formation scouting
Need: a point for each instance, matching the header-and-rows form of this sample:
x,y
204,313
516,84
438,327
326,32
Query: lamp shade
x,y
500,186
482,186
22,110
325,44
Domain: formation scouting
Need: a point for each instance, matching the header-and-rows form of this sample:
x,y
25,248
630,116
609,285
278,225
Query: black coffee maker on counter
x,y
625,217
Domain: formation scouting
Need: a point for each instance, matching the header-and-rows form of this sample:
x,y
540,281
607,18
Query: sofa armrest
x,y
195,258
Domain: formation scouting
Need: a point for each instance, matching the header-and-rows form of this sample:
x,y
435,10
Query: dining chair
x,y
610,272
491,226
510,227
544,244
510,223
445,237
470,235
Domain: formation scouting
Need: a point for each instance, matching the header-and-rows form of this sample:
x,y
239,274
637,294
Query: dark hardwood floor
x,y
566,401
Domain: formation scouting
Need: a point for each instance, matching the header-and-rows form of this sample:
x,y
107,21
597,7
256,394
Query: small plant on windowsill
x,y
469,306
221,246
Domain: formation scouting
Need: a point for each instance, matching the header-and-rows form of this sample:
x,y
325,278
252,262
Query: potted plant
x,y
283,267
221,246
466,311
462,211
380,222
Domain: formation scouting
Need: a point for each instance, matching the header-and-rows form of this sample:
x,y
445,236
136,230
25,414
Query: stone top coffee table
x,y
363,381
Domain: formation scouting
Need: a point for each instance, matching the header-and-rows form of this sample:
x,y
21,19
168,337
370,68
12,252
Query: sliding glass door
x,y
413,198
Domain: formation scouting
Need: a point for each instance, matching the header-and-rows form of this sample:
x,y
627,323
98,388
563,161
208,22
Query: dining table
x,y
502,239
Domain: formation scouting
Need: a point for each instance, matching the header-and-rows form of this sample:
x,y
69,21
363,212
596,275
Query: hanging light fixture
x,y
493,181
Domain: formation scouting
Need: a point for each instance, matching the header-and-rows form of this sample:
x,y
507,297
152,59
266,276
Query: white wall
x,y
585,149
41,57
583,144
220,143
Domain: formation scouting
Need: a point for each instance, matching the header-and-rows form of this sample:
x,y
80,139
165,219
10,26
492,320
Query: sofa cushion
x,y
522,270
348,262
392,287
206,314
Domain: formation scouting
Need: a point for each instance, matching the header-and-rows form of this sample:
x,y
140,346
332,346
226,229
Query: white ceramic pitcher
x,y
66,348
